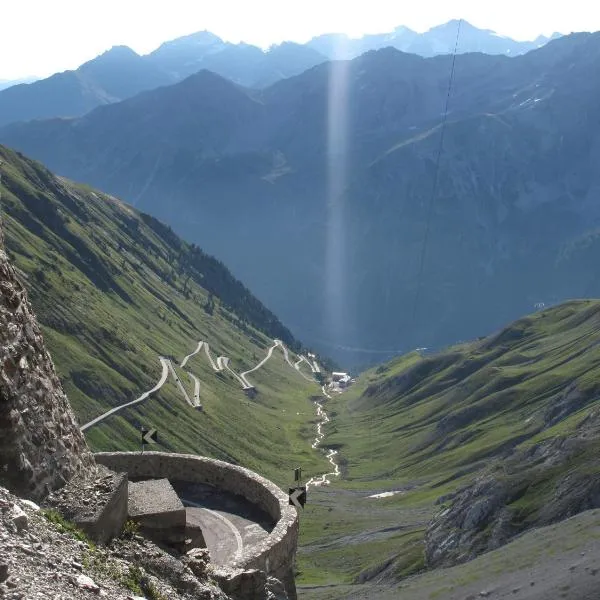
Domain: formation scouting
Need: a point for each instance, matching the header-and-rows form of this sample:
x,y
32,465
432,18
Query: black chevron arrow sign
x,y
149,436
297,496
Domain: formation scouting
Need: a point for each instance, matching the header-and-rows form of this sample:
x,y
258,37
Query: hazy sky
x,y
39,37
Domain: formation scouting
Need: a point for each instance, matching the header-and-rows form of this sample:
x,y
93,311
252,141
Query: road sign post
x,y
297,493
149,436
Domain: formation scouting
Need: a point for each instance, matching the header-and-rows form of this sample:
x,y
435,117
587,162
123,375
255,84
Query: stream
x,y
331,454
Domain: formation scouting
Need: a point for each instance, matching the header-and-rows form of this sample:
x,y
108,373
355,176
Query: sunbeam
x,y
337,174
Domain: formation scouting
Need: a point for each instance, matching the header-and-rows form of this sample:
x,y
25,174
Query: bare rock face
x,y
553,480
41,446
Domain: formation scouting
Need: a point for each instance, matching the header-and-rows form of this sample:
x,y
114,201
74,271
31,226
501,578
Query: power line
x,y
436,177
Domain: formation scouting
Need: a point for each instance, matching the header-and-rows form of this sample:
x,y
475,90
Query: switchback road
x,y
165,374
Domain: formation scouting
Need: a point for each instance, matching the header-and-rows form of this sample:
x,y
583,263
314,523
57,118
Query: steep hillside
x,y
114,290
476,444
340,161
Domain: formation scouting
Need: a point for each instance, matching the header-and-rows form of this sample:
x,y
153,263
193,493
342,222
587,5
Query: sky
x,y
40,37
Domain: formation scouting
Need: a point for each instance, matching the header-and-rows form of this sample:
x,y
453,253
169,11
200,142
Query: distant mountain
x,y
325,214
438,40
112,76
241,63
6,83
182,57
120,73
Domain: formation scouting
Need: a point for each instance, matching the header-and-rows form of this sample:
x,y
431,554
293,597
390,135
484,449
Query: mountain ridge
x,y
440,39
120,73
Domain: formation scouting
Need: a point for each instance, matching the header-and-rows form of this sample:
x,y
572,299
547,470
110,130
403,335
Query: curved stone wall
x,y
275,555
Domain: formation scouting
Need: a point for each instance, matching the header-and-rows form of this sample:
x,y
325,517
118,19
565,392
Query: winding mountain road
x,y
196,383
260,364
301,359
179,384
163,378
221,364
198,348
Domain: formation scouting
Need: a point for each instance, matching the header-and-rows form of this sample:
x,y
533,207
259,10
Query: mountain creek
x,y
331,454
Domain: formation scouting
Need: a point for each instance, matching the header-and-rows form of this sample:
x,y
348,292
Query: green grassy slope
x,y
114,289
439,415
498,408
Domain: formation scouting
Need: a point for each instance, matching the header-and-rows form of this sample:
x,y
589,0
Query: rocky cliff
x,y
41,446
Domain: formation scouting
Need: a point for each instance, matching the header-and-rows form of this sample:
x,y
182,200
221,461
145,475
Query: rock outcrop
x,y
41,446
533,487
42,557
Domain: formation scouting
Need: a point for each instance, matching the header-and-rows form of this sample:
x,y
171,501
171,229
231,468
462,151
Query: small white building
x,y
342,379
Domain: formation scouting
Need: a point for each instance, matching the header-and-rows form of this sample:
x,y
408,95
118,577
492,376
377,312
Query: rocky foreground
x,y
42,558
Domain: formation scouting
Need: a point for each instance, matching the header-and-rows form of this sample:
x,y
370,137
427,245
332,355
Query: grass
x,y
63,526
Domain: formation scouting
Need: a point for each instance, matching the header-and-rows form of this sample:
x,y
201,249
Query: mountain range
x,y
120,73
313,198
441,39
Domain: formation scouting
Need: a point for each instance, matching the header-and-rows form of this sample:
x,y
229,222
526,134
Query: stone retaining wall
x,y
276,553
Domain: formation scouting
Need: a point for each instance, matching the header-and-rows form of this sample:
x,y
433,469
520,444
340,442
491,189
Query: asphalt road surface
x,y
165,374
229,523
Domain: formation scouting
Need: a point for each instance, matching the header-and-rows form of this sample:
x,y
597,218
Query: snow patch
x,y
386,494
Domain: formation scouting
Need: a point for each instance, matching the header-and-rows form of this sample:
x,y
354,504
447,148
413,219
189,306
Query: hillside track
x,y
163,378
221,364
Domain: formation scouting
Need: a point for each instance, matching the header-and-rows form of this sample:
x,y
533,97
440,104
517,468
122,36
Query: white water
x,y
331,454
